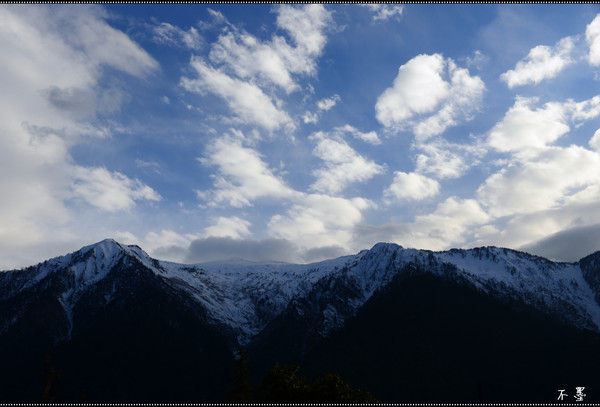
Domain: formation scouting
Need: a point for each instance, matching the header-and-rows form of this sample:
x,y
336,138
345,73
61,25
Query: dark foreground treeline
x,y
422,339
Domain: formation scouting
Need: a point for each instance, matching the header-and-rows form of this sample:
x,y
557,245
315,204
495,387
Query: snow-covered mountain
x,y
246,296
109,316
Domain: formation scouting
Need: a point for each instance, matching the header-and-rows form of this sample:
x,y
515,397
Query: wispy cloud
x,y
275,62
242,175
165,33
52,67
246,100
385,11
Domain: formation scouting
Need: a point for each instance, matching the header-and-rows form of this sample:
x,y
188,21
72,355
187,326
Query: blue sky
x,y
298,132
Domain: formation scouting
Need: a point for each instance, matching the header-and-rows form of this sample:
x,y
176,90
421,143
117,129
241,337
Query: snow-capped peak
x,y
246,296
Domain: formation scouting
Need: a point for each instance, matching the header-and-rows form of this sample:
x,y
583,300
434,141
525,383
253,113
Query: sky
x,y
297,133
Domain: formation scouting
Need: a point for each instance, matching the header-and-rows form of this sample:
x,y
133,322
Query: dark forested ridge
x,y
422,337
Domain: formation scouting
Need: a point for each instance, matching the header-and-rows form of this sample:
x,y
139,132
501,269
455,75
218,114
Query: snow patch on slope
x,y
245,295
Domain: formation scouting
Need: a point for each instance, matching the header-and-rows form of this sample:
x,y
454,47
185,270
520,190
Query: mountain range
x,y
108,323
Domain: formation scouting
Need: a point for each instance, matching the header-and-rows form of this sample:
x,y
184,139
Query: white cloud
x,y
370,137
248,58
477,60
276,61
108,191
527,229
306,26
450,224
245,99
328,103
541,63
412,186
447,160
103,44
242,175
595,141
233,227
52,65
343,165
420,89
570,244
592,36
522,128
318,220
585,110
310,117
463,98
169,34
541,181
385,11
322,105
164,245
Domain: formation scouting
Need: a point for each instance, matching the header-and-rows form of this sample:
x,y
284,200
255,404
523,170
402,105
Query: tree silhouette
x,y
282,384
241,389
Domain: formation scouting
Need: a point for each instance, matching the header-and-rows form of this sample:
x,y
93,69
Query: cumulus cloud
x,y
165,33
318,220
523,128
584,110
385,11
343,165
412,186
453,223
242,175
539,182
420,89
312,221
448,225
233,227
592,36
528,229
595,141
542,62
109,191
463,98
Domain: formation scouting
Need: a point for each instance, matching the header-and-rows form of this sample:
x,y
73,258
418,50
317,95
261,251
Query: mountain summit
x,y
112,303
